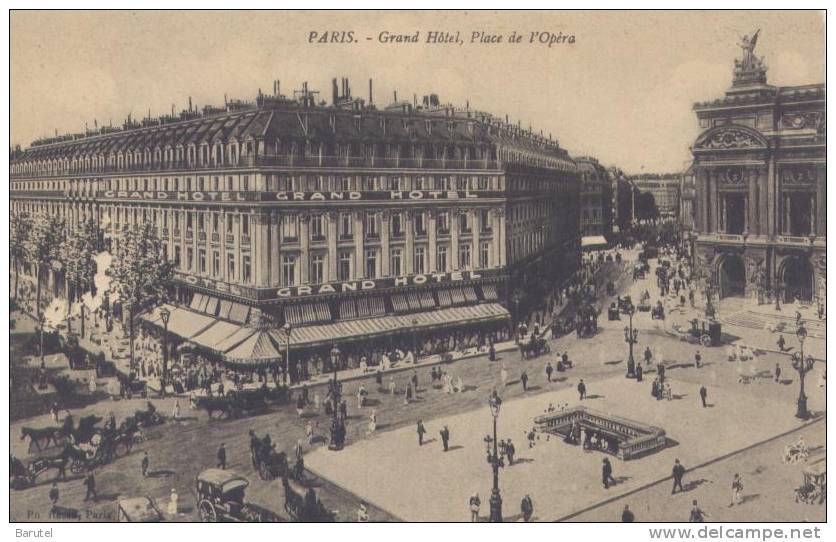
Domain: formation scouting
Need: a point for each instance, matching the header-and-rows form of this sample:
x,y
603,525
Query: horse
x,y
215,404
35,435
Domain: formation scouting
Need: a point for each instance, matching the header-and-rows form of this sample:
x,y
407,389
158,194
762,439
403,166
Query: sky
x,y
623,92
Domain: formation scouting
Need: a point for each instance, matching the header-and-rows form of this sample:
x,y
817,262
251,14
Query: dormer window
x,y
358,120
429,126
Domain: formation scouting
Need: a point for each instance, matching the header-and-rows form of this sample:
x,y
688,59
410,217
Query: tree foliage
x,y
139,272
78,253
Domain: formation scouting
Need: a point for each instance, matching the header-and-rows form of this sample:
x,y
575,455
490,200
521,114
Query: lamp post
x,y
82,319
777,296
287,330
337,425
41,322
496,500
165,314
631,337
803,366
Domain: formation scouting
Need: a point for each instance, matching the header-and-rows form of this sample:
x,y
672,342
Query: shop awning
x,y
223,310
211,306
427,300
239,313
216,334
400,303
307,313
370,306
458,296
348,309
489,292
319,335
470,294
260,349
593,241
444,298
238,336
182,322
198,300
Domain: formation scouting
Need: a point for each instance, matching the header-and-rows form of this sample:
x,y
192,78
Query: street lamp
x,y
631,337
803,366
337,425
165,314
287,330
496,500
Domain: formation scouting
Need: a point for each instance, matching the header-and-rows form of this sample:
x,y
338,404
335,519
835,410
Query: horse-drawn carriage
x,y
813,489
220,497
269,463
706,332
562,326
235,403
534,346
586,321
658,312
302,504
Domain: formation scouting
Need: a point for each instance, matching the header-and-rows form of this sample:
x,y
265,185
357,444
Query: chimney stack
x,y
396,96
370,92
334,92
190,104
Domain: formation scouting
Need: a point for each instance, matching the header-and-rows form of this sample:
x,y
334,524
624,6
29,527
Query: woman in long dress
x,y
373,422
503,375
392,388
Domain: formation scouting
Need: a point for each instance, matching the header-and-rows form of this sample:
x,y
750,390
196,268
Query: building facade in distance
x,y
596,199
664,188
759,166
344,221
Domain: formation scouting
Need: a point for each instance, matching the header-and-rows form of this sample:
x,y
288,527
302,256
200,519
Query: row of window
x,y
318,263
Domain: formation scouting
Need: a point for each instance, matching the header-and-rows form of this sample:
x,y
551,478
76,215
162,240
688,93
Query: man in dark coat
x,y
627,515
639,373
510,450
527,508
606,473
777,372
145,464
703,395
581,389
549,371
678,472
697,359
648,355
222,456
421,431
524,380
90,484
53,494
445,437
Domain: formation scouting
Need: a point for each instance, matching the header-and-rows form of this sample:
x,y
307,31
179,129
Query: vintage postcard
x,y
417,266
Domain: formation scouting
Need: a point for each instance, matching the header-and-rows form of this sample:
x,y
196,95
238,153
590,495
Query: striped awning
x,y
261,348
470,294
414,301
427,300
238,336
400,303
307,313
458,296
319,335
223,310
444,298
211,306
198,300
348,309
489,292
370,306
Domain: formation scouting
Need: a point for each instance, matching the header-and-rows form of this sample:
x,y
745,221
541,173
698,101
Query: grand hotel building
x,y
345,221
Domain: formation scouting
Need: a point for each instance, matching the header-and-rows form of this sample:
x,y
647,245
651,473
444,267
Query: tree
x,y
43,247
139,273
646,206
77,254
20,228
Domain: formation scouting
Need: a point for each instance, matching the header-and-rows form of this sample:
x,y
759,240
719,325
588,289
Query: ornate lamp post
x,y
337,424
631,337
165,314
803,366
516,300
287,330
496,500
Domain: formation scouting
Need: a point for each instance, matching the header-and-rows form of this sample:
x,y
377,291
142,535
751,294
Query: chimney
x,y
414,100
226,101
278,87
334,92
190,104
396,96
370,92
172,110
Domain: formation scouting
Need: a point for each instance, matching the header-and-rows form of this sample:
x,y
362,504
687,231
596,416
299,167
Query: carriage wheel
x,y
207,512
705,340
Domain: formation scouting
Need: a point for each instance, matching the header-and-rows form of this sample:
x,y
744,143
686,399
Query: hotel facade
x,y
343,220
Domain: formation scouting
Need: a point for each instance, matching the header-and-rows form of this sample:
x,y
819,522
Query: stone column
x,y
475,224
752,204
715,205
275,264
359,246
409,246
223,218
236,246
454,240
772,201
263,249
333,233
785,225
432,237
821,203
384,244
502,255
763,205
304,250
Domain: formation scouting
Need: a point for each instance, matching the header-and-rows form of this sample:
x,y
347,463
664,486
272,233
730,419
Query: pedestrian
x,y
510,451
90,484
703,395
777,372
53,494
176,413
474,503
415,380
606,473
639,373
627,516
300,405
172,504
524,380
53,411
781,343
298,450
421,431
343,409
392,388
527,508
581,389
549,370
697,359
445,437
697,515
222,456
408,395
373,421
737,491
648,355
145,464
678,472
503,375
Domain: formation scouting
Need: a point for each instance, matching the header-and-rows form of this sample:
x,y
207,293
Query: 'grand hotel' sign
x,y
284,196
268,294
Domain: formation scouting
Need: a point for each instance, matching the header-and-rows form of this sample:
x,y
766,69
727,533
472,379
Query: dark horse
x,y
215,404
46,434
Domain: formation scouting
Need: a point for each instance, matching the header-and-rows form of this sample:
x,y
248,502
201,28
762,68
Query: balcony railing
x,y
230,238
275,161
245,239
216,238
